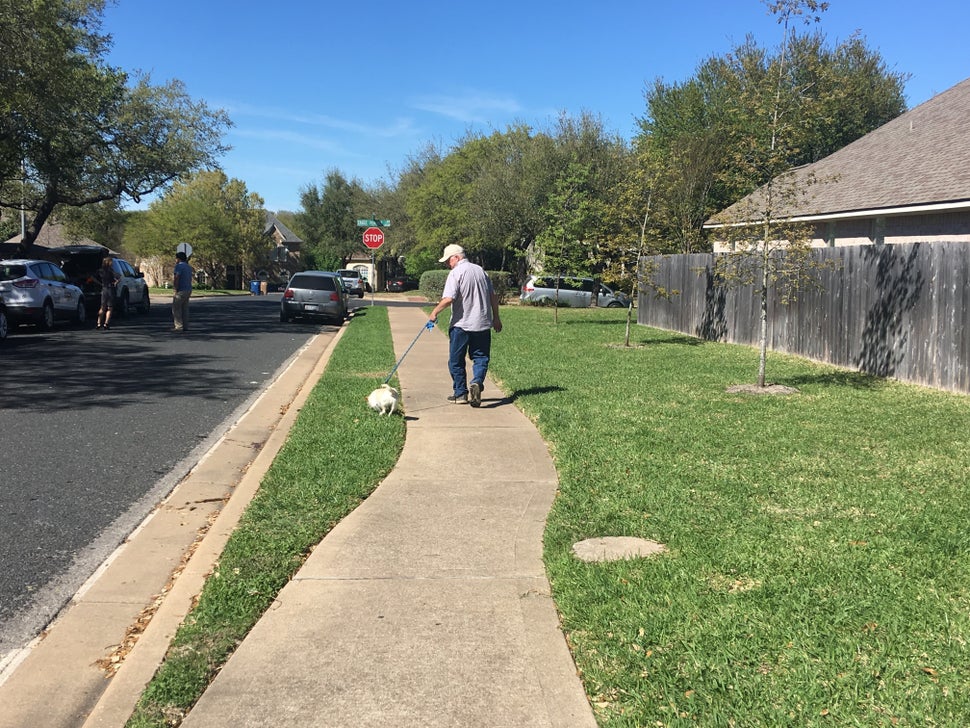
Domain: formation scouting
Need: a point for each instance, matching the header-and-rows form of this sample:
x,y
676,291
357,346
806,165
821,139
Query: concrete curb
x,y
119,700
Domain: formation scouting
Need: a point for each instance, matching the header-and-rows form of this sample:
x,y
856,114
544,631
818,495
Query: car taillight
x,y
334,297
527,289
26,283
288,293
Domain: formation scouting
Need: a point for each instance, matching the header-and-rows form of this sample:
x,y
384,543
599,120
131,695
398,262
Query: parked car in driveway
x,y
574,292
38,292
82,264
314,294
352,282
396,284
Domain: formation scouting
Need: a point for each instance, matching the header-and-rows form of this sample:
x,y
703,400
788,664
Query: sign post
x,y
373,239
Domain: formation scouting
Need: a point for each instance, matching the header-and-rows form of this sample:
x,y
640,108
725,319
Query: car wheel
x,y
81,314
146,305
47,316
615,304
4,325
284,319
123,306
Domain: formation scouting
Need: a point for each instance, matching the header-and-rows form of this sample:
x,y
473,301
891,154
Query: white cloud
x,y
398,127
290,137
469,107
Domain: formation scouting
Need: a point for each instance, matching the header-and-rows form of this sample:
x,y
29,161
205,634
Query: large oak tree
x,y
76,131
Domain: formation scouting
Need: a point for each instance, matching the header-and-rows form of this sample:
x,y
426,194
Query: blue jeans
x,y
477,346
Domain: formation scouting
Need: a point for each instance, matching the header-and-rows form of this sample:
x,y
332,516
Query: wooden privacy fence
x,y
896,311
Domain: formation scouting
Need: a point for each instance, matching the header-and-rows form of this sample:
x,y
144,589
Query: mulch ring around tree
x,y
776,389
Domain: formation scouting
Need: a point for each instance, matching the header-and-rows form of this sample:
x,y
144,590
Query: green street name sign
x,y
373,223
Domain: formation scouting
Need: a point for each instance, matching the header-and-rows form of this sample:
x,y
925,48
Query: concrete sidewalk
x,y
428,605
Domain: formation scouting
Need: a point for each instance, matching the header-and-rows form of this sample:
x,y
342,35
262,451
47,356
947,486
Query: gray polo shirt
x,y
470,289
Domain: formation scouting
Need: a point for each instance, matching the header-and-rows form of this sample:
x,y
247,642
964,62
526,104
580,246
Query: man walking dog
x,y
474,312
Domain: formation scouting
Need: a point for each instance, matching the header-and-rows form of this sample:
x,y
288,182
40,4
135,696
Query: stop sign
x,y
373,238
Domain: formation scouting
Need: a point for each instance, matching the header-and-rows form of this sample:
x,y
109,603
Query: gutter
x,y
848,215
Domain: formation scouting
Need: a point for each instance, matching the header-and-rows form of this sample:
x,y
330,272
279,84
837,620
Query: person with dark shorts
x,y
109,289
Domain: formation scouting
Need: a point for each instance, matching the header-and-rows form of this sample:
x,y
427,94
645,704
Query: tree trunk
x,y
763,358
32,230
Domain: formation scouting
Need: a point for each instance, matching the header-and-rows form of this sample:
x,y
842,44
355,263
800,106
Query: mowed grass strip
x,y
337,452
818,570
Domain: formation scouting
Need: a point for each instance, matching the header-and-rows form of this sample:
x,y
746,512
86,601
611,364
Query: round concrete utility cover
x,y
615,548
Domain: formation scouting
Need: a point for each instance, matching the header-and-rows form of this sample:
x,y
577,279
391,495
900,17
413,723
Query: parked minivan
x,y
574,292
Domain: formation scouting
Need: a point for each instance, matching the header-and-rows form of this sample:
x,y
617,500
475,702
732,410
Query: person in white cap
x,y
474,313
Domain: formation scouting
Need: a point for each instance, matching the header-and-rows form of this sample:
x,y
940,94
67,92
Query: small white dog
x,y
384,399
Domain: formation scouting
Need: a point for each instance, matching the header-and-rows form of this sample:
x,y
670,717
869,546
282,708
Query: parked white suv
x,y
37,291
574,292
352,282
82,264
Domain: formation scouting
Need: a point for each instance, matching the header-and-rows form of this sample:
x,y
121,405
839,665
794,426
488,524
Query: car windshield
x,y
347,273
12,272
313,283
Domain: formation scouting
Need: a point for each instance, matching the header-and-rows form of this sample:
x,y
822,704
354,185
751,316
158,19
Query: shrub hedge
x,y
432,284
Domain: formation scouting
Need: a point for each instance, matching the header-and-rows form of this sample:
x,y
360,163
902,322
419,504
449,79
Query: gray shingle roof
x,y
921,157
288,236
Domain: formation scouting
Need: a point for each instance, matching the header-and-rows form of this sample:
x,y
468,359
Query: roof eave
x,y
921,209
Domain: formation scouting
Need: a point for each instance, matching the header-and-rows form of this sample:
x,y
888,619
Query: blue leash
x,y
428,326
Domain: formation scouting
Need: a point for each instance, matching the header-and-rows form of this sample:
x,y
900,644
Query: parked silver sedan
x,y
37,292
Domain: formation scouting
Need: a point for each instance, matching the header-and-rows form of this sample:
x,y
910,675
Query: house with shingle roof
x,y
52,235
907,181
281,235
283,258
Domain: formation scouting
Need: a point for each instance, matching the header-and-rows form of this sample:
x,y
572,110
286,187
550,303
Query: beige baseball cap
x,y
451,250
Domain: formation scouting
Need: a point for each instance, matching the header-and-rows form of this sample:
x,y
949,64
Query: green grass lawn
x,y
162,292
818,570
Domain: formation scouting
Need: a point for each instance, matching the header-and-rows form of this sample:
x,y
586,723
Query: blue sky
x,y
314,85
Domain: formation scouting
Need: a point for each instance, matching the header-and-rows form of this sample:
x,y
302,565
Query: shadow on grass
x,y
528,392
854,380
594,322
680,340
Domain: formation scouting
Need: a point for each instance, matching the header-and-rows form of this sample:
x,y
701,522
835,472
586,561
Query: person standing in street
x,y
474,312
182,283
109,289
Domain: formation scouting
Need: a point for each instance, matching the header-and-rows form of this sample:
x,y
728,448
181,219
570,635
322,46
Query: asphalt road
x,y
97,426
